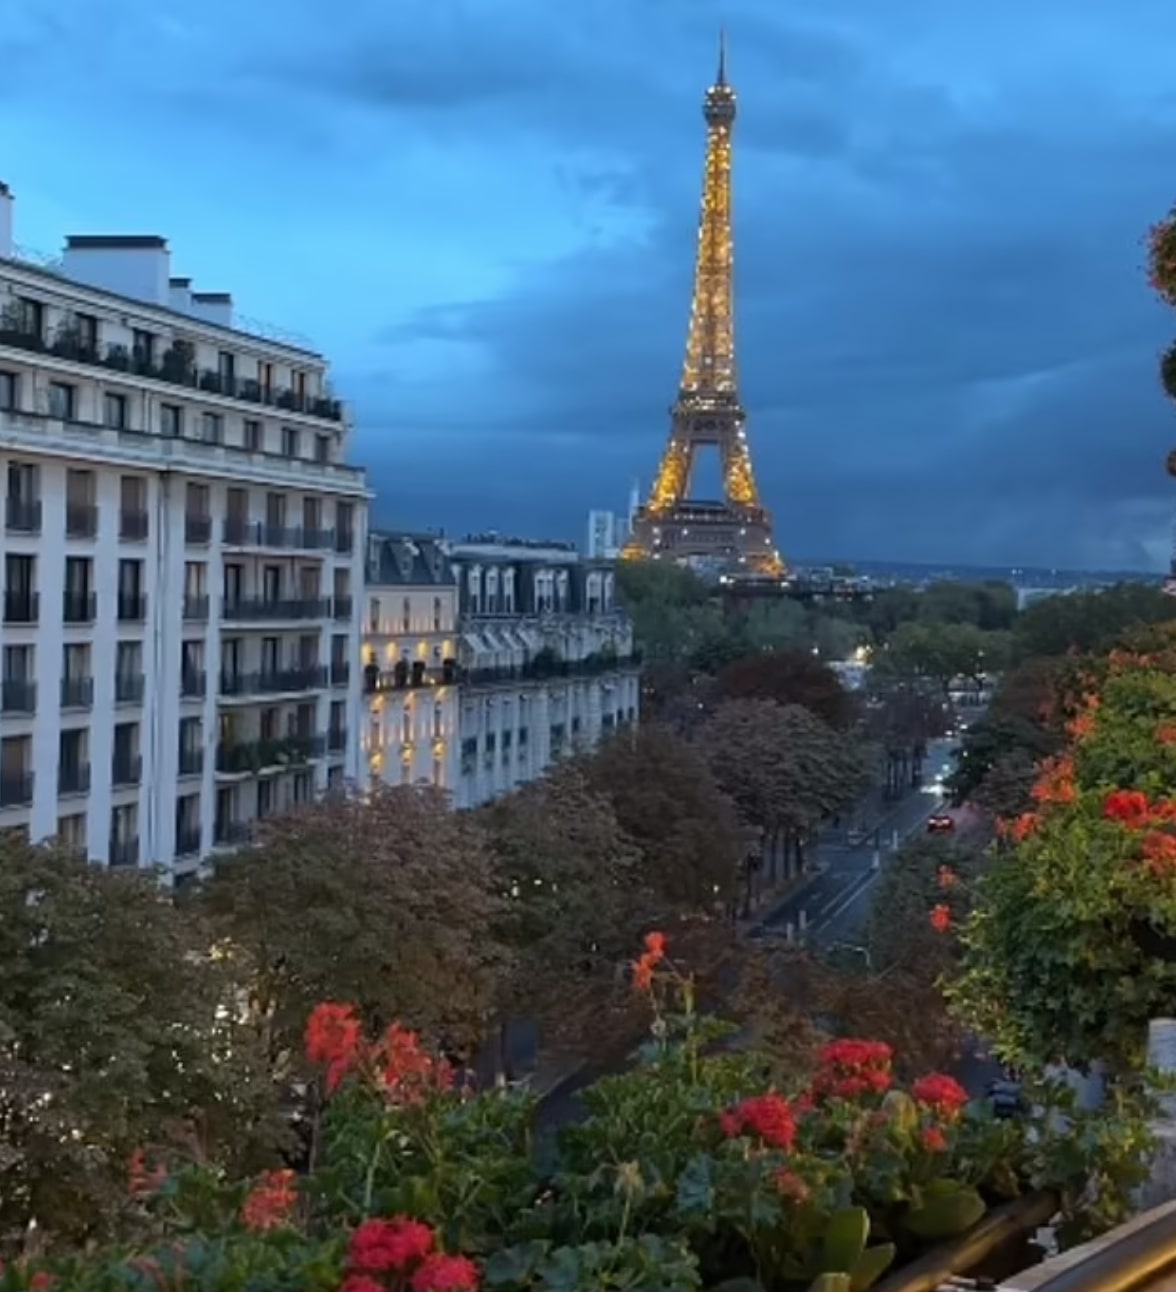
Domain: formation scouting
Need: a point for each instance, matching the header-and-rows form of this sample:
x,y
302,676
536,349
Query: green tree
x,y
1084,621
667,801
788,677
387,901
938,652
989,606
901,717
116,1033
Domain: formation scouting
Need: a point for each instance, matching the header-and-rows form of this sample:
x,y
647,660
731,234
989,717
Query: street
x,y
832,905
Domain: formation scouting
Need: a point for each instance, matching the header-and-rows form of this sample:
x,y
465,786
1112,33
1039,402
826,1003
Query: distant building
x,y
546,660
608,531
410,662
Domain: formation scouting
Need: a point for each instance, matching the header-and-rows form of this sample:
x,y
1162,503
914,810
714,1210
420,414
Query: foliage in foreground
x,y
1072,946
688,1171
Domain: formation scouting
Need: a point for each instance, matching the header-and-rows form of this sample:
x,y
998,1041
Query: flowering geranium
x,y
940,917
769,1118
381,1245
943,1095
270,1203
333,1037
645,966
851,1067
397,1062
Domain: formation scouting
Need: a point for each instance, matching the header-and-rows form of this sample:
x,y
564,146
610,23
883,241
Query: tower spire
x,y
737,531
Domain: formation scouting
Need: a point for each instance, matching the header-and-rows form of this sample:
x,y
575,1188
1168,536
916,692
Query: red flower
x,y
851,1068
361,1283
1166,733
791,1186
41,1280
1081,726
655,943
940,917
1129,807
1159,852
143,1180
769,1117
1023,826
942,1094
441,1273
379,1245
270,1203
934,1140
409,1072
1056,782
333,1037
644,968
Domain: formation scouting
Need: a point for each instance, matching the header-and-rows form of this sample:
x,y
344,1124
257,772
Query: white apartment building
x,y
182,552
546,660
410,662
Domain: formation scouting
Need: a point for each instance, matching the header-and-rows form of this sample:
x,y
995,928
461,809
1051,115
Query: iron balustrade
x,y
81,520
22,516
77,692
21,607
193,683
273,682
265,609
128,688
198,530
73,778
196,609
18,695
133,524
132,607
263,755
124,852
79,607
16,789
126,769
188,841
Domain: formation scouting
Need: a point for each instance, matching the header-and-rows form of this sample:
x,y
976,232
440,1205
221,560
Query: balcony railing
x,y
81,520
73,778
128,688
133,524
340,673
126,769
341,607
196,609
18,695
78,607
191,761
260,755
543,670
238,532
193,683
132,607
402,676
188,841
16,789
124,852
336,739
267,610
273,682
77,692
22,516
21,607
197,530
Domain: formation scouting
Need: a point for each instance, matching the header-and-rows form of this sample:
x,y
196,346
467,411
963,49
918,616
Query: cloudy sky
x,y
484,211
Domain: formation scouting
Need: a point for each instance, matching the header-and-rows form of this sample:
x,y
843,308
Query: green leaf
x,y
845,1239
874,1262
945,1216
830,1283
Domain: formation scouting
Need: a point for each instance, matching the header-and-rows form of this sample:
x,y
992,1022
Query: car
x,y
940,823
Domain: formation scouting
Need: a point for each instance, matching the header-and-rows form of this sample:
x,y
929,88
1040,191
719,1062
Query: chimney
x,y
130,264
179,294
213,307
6,204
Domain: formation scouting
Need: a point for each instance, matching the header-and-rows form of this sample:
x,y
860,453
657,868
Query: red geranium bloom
x,y
270,1203
940,917
361,1283
1129,807
941,1093
1159,851
769,1117
441,1273
851,1067
644,968
333,1037
379,1245
934,1140
1023,826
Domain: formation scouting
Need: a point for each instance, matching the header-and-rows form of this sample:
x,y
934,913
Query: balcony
x,y
78,607
22,516
21,607
16,789
124,852
231,834
341,607
128,688
191,762
336,740
239,532
77,692
133,524
198,530
340,673
81,520
344,542
132,608
267,610
188,841
73,778
402,676
18,695
126,769
193,684
273,682
196,610
263,755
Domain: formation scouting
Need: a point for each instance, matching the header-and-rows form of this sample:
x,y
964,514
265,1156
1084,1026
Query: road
x,y
832,906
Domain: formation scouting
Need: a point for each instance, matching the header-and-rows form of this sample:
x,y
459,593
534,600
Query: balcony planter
x,y
117,357
178,364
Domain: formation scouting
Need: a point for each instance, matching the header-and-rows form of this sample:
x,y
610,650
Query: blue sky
x,y
484,211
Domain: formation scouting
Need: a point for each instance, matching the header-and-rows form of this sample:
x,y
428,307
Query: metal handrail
x,y
1130,1262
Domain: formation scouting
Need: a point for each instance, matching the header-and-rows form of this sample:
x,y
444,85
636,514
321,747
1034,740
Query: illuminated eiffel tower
x,y
736,532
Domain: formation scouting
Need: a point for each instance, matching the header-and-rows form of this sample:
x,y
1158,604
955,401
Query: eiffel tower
x,y
734,534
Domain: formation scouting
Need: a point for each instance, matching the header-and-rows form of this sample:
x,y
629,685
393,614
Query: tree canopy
x,y
1084,621
788,677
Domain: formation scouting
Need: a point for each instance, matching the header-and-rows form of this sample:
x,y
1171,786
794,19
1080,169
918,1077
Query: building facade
x,y
410,662
546,661
182,556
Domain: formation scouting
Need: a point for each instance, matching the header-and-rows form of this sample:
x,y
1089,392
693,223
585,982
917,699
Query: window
x,y
226,367
195,579
237,504
71,832
406,615
270,724
132,604
124,835
289,442
114,411
265,377
300,388
407,726
265,799
338,649
20,582
271,655
81,515
344,526
310,582
18,663
225,821
86,327
436,614
22,482
300,788
128,660
271,583
322,448
77,685
78,602
191,747
125,759
374,615
62,401
233,583
275,510
73,761
211,428
252,435
196,500
187,825
312,517
30,316
132,520
231,656
171,420
143,349
438,722
8,390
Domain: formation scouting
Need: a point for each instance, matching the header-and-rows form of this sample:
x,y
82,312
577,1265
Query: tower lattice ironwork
x,y
735,532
